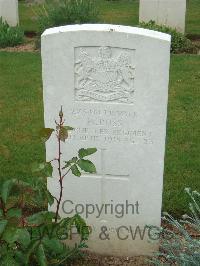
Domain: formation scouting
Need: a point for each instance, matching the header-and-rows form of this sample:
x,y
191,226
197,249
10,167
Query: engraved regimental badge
x,y
104,74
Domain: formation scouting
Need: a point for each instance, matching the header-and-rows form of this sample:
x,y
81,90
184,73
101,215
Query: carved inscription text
x,y
108,126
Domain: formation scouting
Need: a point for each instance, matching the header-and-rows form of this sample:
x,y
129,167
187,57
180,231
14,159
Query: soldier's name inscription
x,y
109,126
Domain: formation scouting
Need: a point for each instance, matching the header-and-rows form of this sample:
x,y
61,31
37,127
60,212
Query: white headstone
x,y
9,11
164,12
112,82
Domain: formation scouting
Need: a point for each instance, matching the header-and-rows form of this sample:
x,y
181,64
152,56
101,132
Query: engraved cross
x,y
106,176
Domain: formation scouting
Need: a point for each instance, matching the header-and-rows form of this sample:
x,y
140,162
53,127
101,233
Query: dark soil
x,y
30,34
99,260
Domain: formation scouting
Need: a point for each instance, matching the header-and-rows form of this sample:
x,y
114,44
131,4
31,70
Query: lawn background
x,y
124,12
21,106
21,118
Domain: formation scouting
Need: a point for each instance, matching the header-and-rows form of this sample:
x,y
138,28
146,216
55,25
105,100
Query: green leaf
x,y
50,198
31,249
8,260
41,257
14,213
46,168
70,162
14,234
86,152
86,166
23,236
67,164
23,184
36,167
81,227
45,133
10,234
3,224
40,218
63,134
5,190
67,222
68,128
53,245
75,170
1,213
20,257
74,160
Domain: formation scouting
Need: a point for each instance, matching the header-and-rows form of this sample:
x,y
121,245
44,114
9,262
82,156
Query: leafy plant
x,y
179,42
37,239
65,12
182,244
10,36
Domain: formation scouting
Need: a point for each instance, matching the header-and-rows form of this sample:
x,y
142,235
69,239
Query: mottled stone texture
x,y
9,11
112,82
164,12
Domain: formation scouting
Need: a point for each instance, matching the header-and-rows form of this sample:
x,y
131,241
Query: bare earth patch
x,y
197,43
26,47
98,260
92,259
30,46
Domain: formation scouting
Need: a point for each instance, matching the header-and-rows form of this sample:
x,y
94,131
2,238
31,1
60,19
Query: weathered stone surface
x,y
9,11
112,82
164,12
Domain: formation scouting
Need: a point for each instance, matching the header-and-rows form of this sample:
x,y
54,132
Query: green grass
x,y
193,17
124,12
27,17
22,116
182,164
21,113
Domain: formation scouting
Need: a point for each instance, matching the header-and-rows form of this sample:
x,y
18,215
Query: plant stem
x,y
66,173
59,169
